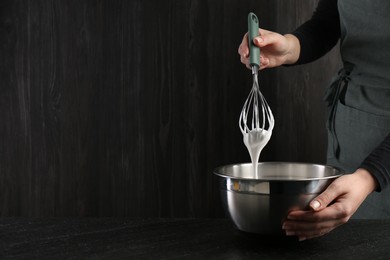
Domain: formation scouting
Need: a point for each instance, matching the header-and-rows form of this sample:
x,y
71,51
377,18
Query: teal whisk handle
x,y
253,31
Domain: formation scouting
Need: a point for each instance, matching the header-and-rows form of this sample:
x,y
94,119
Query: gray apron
x,y
359,96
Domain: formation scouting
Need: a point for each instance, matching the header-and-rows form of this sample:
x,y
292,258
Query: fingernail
x,y
290,233
315,204
258,40
291,217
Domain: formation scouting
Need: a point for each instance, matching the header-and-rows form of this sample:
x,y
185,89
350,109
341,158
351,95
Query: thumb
x,y
325,198
266,39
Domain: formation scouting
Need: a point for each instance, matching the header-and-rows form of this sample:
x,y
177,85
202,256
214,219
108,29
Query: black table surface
x,y
106,238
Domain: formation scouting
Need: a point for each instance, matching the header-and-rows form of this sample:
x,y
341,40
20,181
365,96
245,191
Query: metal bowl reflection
x,y
259,205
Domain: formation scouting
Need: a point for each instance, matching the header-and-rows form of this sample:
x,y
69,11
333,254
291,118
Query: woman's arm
x,y
378,164
320,34
307,43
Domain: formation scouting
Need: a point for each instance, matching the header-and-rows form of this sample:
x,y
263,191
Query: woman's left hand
x,y
332,208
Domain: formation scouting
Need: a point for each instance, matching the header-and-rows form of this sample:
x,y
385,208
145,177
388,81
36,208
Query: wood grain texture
x,y
300,134
124,108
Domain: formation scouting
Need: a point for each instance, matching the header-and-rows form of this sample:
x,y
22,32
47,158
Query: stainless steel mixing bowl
x,y
259,205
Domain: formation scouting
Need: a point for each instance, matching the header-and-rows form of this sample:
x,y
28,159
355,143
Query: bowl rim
x,y
341,172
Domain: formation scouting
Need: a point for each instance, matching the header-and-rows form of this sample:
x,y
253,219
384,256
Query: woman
x,y
358,105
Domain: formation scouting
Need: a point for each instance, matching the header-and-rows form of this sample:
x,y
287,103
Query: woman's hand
x,y
332,208
275,49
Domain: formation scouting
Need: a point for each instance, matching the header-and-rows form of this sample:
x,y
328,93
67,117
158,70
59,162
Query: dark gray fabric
x,y
359,97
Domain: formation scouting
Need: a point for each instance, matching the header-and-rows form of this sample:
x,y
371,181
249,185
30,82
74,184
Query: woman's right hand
x,y
275,49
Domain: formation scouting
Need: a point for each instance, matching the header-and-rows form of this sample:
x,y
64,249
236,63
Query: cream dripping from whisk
x,y
255,141
256,137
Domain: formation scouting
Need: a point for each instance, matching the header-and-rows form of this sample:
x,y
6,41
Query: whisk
x,y
255,127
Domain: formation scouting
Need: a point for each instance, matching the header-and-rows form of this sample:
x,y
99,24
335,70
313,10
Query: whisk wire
x,y
252,104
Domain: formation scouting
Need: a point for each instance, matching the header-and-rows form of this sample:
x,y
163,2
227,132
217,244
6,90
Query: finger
x,y
258,41
312,230
336,211
264,62
245,61
264,31
302,238
325,198
266,39
316,223
263,67
300,226
243,49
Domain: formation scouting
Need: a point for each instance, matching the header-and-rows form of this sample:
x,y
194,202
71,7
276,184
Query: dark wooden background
x,y
124,108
